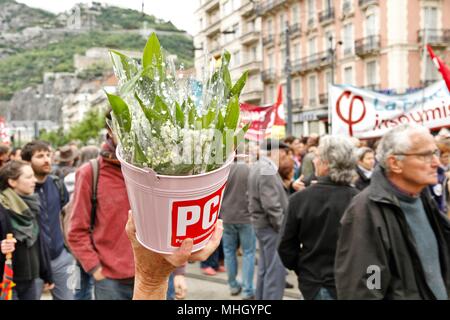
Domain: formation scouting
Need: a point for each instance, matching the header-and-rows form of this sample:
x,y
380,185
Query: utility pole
x,y
287,69
332,52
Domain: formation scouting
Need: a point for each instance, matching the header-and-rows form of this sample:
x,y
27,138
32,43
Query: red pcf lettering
x,y
195,218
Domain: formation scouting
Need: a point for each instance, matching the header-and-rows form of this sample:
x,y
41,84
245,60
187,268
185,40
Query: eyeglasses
x,y
424,156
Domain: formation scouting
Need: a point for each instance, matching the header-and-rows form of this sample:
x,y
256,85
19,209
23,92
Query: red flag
x,y
279,109
7,283
443,69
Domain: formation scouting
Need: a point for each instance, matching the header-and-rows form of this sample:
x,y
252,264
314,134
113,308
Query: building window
x,y
200,22
297,54
328,43
430,24
282,23
271,94
430,15
312,92
297,89
312,46
348,39
295,14
236,31
371,25
251,26
236,58
348,76
371,74
271,61
311,12
328,80
226,8
254,54
269,26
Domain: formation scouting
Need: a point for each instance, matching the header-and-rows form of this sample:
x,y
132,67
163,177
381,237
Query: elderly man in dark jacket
x,y
267,202
394,242
310,231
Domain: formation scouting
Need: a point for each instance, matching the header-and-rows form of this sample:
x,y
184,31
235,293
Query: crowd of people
x,y
353,219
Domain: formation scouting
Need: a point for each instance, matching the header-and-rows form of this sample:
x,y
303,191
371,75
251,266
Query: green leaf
x,y
121,111
152,53
208,118
232,113
125,65
220,122
161,107
179,115
227,79
149,113
239,85
239,136
226,57
139,156
191,118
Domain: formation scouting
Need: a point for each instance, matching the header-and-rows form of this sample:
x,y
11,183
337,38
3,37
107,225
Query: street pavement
x,y
203,287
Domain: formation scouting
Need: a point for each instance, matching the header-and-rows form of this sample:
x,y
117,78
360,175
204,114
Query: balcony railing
x,y
434,37
323,98
368,45
295,30
326,16
267,40
365,3
373,87
311,22
251,65
268,6
250,37
268,75
248,9
296,66
297,103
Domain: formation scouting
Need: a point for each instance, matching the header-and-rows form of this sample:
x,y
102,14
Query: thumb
x,y
301,178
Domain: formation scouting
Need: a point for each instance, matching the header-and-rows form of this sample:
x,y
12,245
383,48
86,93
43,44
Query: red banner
x,y
262,118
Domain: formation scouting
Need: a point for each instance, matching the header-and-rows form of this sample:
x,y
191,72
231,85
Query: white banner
x,y
367,114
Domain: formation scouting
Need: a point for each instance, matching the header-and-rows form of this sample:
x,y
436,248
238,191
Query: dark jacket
x,y
310,233
362,182
28,263
374,232
52,201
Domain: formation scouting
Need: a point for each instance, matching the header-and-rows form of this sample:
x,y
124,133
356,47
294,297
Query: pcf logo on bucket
x,y
195,218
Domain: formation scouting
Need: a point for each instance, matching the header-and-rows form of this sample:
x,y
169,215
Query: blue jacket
x,y
53,196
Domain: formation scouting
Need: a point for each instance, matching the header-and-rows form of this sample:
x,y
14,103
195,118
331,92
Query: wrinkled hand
x,y
298,184
179,283
8,246
152,269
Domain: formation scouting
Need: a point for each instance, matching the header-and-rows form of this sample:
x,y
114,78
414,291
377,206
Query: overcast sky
x,y
180,12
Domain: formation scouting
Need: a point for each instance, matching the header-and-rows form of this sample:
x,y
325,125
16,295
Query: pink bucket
x,y
169,209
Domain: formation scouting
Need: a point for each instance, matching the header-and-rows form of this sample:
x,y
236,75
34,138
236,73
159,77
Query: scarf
x,y
23,215
108,152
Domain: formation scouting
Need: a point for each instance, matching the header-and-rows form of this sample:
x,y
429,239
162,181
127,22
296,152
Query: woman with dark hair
x,y
19,208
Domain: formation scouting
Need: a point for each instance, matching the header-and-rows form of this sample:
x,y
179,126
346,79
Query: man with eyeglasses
x,y
394,242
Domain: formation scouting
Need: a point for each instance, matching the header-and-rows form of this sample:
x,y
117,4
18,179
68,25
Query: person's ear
x,y
12,183
394,164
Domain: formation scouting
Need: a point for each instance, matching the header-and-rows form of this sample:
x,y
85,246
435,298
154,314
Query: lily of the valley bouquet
x,y
163,123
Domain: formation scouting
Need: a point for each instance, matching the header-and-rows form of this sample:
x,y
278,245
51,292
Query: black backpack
x,y
66,212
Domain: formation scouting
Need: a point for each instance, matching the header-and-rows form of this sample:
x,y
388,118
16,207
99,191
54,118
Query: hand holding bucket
x,y
153,269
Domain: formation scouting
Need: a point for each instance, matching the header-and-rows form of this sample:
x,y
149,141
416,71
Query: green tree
x,y
87,129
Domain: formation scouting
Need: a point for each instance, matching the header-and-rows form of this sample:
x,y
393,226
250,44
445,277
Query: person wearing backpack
x,y
84,282
53,196
102,246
